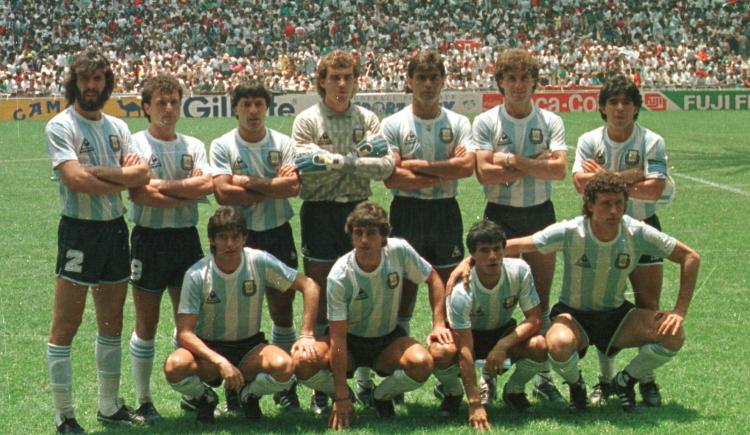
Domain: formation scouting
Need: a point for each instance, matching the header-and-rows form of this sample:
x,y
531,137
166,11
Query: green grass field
x,y
704,387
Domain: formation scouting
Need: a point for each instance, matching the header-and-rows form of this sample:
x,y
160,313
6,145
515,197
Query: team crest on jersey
x,y
362,295
324,140
238,164
510,302
622,261
536,136
154,162
393,280
186,162
212,298
446,135
583,261
600,158
249,288
358,134
632,158
85,147
504,140
114,143
274,158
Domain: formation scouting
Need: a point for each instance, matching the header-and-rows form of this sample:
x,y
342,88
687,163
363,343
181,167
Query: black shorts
x,y
366,350
600,326
433,227
521,221
159,258
234,351
323,236
648,260
278,242
485,340
92,252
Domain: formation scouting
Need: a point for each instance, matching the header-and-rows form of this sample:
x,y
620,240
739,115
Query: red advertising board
x,y
574,101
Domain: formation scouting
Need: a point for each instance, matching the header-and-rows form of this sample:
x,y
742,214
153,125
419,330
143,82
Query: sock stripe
x,y
108,341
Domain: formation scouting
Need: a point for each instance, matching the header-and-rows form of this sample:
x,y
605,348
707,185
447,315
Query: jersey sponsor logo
x,y
583,261
324,140
274,158
536,136
358,134
114,143
187,163
456,252
393,280
622,261
238,164
249,288
410,141
632,158
510,301
362,295
212,298
153,162
504,140
85,147
446,135
600,157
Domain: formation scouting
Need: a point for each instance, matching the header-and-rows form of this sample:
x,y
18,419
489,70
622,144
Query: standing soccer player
x,y
218,323
429,144
92,156
521,148
335,173
254,172
639,155
600,251
164,241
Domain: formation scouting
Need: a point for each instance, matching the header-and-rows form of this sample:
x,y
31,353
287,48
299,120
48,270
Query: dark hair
x,y
425,60
619,84
164,83
602,182
89,60
334,59
484,231
226,219
369,214
249,89
516,59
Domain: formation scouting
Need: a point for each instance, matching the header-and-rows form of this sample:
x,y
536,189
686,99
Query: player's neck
x,y
335,105
518,110
165,134
488,280
369,260
91,115
618,134
252,135
425,112
228,263
604,231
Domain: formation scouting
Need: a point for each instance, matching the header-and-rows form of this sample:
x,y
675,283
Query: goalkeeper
x,y
335,176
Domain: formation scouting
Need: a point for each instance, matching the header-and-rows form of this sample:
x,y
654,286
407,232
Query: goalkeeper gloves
x,y
319,161
372,146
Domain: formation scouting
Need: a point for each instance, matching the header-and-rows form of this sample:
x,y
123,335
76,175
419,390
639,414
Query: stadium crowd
x,y
213,45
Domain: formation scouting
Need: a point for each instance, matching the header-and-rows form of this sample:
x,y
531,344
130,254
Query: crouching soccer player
x,y
600,250
218,323
481,317
364,292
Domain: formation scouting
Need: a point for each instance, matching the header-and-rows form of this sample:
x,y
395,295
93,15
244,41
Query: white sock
x,y
405,323
321,381
525,370
544,374
264,384
61,381
108,360
363,376
449,380
142,362
607,366
567,369
397,383
650,356
190,387
284,337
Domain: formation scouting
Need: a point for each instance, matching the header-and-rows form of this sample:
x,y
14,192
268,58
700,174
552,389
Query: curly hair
x,y
619,84
164,83
516,59
602,182
88,61
335,59
369,214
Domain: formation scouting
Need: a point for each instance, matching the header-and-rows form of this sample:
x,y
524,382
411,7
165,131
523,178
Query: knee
x,y
419,365
179,365
306,368
674,342
63,329
443,355
561,344
280,366
538,349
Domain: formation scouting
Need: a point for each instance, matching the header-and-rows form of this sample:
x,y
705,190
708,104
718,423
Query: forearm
x,y
276,187
552,168
198,348
230,194
405,179
688,277
649,189
524,331
310,298
375,168
452,169
468,374
150,196
128,176
339,365
187,188
437,299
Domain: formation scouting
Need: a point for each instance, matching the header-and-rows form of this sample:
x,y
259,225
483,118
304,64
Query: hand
x,y
478,418
415,165
305,348
319,161
506,160
371,146
232,376
342,413
462,272
669,324
592,166
542,155
495,361
459,151
240,180
440,334
286,171
131,160
196,173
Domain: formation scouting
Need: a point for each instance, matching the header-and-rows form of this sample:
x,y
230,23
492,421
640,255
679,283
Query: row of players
x,y
333,154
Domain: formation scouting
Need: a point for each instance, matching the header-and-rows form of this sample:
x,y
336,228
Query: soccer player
x,y
92,155
639,156
330,130
600,250
164,241
364,291
218,322
481,318
521,148
254,171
